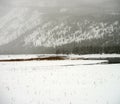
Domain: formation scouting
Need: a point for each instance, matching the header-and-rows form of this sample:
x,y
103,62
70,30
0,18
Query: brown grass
x,y
37,59
110,60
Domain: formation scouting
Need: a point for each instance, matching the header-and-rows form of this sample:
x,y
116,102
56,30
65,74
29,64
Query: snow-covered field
x,y
47,55
59,82
97,56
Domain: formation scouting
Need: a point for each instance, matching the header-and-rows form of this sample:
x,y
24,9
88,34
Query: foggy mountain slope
x,y
16,23
26,29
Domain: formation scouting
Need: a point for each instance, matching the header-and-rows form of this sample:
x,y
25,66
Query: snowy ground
x,y
47,55
59,82
96,56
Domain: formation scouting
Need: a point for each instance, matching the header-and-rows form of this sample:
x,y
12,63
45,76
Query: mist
x,y
62,3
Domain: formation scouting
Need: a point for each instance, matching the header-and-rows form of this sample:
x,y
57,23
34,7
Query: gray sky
x,y
65,3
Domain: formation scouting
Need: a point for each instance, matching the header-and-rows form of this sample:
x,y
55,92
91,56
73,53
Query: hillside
x,y
31,30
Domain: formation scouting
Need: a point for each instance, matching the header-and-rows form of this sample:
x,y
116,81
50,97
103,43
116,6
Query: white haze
x,y
67,3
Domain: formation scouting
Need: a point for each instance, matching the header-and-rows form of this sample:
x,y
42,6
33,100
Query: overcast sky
x,y
67,3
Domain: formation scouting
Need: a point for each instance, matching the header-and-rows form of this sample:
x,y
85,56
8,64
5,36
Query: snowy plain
x,y
59,82
47,55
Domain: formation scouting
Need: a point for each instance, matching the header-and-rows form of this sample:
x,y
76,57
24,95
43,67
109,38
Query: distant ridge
x,y
26,30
